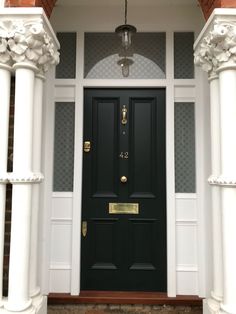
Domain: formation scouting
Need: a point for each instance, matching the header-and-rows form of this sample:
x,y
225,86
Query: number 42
x,y
124,155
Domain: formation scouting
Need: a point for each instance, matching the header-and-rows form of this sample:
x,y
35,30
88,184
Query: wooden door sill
x,y
123,297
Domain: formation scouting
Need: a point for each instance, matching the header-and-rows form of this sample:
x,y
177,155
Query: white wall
x,y
189,250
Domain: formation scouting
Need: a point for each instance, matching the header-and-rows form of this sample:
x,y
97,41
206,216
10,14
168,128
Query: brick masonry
x,y
47,5
209,5
121,309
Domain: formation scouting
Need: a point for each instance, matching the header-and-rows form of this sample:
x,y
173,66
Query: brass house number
x,y
124,155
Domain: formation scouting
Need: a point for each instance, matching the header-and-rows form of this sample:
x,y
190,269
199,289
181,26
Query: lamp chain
x,y
126,11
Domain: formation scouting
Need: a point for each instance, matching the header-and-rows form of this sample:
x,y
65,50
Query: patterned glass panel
x,y
183,55
185,176
66,67
64,147
103,50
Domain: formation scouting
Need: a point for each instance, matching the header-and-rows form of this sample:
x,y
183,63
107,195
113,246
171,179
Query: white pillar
x,y
227,77
36,50
37,148
18,292
215,49
217,291
5,78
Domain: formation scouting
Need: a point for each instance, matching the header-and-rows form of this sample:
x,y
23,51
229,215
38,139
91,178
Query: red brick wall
x,y
209,5
47,5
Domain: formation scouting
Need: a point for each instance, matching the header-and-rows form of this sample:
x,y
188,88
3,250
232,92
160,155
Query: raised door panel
x,y
105,138
143,147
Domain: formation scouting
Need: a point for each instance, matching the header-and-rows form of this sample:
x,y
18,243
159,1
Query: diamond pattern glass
x,y
64,147
183,55
67,66
104,50
185,175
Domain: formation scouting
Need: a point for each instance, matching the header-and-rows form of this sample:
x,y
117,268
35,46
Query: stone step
x,y
122,309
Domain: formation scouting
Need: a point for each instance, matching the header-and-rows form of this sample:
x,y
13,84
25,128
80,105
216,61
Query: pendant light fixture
x,y
125,63
126,31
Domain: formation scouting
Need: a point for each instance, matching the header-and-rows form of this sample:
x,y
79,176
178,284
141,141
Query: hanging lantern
x,y
126,31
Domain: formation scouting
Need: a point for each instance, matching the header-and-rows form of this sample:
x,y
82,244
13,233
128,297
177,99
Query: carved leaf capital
x,y
27,41
217,47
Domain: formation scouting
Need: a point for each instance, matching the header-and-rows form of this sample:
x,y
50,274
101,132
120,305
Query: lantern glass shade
x,y
126,31
125,63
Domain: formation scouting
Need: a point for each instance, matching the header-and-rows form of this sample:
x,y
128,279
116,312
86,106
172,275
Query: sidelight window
x,y
185,176
64,147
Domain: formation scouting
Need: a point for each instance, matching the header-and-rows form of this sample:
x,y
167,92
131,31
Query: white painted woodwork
x,y
60,279
170,183
18,295
5,76
186,244
65,93
186,214
227,82
183,93
61,232
37,152
187,282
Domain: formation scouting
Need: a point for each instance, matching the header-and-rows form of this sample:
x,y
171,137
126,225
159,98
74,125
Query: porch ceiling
x,y
131,2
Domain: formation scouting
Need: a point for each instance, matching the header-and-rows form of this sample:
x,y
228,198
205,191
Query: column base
x,y
40,304
39,308
211,306
29,310
224,309
19,307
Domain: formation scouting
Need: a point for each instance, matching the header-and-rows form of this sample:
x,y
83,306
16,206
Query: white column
x,y
217,291
5,78
227,79
215,49
36,50
37,149
18,292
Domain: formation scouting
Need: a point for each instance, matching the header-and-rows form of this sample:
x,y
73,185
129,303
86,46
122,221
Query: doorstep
x,y
120,297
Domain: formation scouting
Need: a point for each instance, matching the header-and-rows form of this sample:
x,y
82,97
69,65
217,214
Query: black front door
x,y
124,190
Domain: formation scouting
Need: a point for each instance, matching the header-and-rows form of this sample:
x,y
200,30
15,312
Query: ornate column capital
x,y
216,45
26,37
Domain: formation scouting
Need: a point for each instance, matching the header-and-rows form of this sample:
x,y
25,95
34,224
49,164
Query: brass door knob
x,y
123,179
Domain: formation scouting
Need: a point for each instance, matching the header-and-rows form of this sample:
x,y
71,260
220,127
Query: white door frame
x,y
79,84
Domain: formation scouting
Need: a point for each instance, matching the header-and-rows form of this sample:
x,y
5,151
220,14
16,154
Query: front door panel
x,y
124,190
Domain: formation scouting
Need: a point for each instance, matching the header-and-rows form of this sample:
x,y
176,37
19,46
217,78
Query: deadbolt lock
x,y
87,146
123,179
